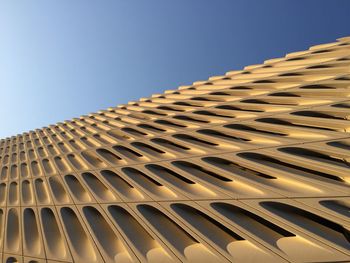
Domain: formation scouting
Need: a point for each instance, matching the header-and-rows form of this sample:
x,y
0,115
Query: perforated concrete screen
x,y
253,166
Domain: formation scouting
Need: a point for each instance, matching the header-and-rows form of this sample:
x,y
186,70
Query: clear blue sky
x,y
62,59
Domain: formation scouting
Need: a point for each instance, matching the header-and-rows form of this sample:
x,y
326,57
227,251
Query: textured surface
x,y
252,166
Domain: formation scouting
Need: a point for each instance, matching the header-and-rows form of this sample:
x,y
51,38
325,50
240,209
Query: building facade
x,y
252,166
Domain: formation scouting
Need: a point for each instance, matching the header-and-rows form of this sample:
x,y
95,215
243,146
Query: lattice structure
x,y
253,166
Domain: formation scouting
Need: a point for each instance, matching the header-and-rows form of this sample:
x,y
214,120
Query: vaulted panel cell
x,y
189,186
149,184
32,244
13,231
149,248
55,244
113,248
282,238
98,188
238,248
81,243
121,186
177,237
76,189
58,190
315,224
42,192
27,193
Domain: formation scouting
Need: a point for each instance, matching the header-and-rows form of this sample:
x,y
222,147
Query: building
x,y
252,166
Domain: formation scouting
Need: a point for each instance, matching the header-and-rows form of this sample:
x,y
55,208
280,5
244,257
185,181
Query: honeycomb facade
x,y
252,166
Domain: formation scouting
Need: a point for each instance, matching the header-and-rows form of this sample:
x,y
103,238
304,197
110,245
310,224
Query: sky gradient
x,y
63,59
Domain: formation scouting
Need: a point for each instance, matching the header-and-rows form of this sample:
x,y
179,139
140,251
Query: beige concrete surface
x,y
252,166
